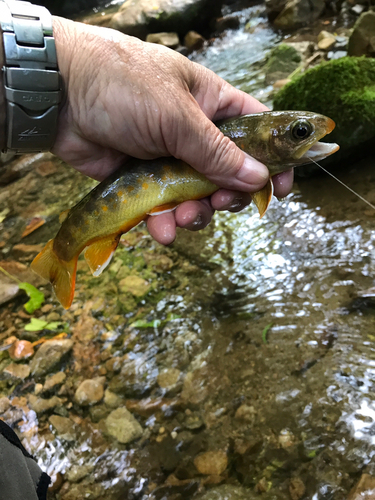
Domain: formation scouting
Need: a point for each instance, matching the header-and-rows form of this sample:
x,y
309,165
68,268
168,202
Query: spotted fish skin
x,y
143,187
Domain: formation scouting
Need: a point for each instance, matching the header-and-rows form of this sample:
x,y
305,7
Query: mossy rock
x,y
282,61
344,90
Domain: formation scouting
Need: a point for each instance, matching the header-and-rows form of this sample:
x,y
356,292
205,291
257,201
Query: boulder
x,y
140,17
193,41
344,90
362,39
296,13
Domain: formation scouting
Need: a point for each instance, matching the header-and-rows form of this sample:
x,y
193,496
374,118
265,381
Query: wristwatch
x,y
31,77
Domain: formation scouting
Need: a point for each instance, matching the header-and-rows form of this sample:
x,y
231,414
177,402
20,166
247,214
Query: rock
x,y
135,285
49,355
297,488
78,472
17,370
282,61
342,89
298,13
170,40
326,40
52,381
68,7
5,404
123,426
21,349
26,252
7,291
228,492
364,489
90,391
140,17
168,378
362,39
112,400
64,427
245,413
194,391
231,22
286,439
211,463
193,41
40,405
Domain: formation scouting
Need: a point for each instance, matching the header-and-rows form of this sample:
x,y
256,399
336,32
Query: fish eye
x,y
301,129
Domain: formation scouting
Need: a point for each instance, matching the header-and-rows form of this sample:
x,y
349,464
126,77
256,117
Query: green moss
x,y
344,90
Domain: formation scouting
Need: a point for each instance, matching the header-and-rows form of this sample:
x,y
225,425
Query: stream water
x,y
249,363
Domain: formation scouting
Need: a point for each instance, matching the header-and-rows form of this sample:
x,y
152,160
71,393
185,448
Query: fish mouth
x,y
320,150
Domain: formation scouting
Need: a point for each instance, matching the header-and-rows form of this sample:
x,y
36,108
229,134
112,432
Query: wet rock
x,y
343,90
228,492
286,438
99,412
53,381
231,22
22,272
140,17
193,421
168,378
26,252
112,400
326,40
77,472
135,285
50,355
64,427
90,391
362,39
40,405
211,463
8,291
4,405
193,41
134,381
17,371
194,389
123,426
298,13
245,413
297,488
364,489
283,60
170,40
21,349
149,406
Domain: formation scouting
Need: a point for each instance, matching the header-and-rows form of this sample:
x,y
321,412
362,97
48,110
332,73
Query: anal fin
x,y
262,198
98,255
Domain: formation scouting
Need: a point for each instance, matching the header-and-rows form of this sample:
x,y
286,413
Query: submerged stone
x,y
64,427
90,391
211,463
49,355
123,426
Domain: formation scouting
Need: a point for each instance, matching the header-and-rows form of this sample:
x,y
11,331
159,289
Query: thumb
x,y
204,147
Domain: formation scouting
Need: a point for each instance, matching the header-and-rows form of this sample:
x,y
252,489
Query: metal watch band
x,y
31,77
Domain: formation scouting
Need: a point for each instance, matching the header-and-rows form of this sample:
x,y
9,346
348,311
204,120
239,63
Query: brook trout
x,y
281,140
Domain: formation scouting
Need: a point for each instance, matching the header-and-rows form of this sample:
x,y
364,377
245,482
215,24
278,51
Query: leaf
x,y
36,298
36,325
141,323
34,224
265,331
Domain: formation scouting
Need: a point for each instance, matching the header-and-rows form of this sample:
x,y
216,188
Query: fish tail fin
x,y
262,198
61,274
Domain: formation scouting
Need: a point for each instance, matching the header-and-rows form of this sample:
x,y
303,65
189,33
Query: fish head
x,y
294,139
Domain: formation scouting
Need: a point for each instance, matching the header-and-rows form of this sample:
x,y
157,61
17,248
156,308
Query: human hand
x,y
125,97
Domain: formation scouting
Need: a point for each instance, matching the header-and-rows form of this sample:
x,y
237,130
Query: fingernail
x,y
253,172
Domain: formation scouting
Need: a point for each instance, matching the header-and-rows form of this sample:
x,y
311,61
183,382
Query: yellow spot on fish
x,y
145,185
104,208
130,189
120,193
124,201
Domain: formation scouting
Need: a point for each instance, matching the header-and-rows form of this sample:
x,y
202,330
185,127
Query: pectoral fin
x,y
98,255
263,198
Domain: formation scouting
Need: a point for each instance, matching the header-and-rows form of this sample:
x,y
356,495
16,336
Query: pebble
x,y
8,291
17,370
40,405
245,413
135,285
193,41
49,355
364,489
286,438
170,40
123,426
297,488
168,378
112,400
64,427
90,391
211,463
78,472
5,404
53,380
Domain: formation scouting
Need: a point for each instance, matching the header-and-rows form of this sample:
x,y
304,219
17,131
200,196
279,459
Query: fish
x,y
279,139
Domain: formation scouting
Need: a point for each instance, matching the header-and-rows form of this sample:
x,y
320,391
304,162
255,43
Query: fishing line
x,y
343,184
